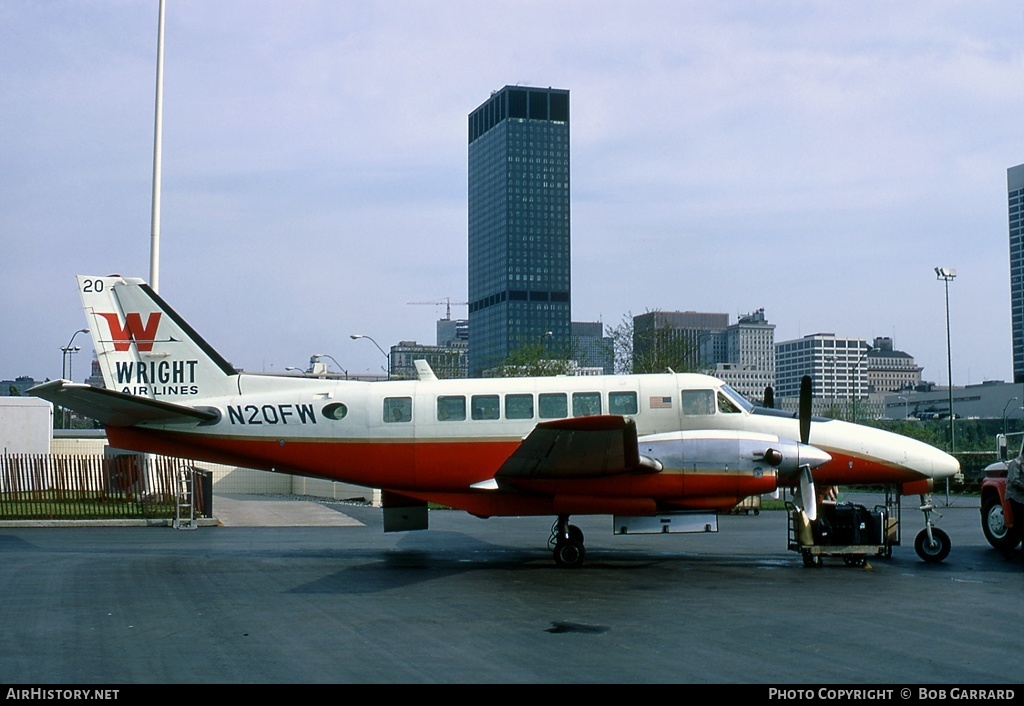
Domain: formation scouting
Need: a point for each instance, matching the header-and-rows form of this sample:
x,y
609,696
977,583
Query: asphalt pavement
x,y
289,591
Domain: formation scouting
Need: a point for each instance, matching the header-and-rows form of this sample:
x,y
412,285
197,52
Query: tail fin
x,y
145,349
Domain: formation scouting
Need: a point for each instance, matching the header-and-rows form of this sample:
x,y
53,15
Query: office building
x,y
519,245
1015,206
592,349
890,370
683,340
837,366
745,358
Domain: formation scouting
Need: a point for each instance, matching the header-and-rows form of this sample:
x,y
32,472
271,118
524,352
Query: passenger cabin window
x,y
553,405
485,407
725,405
698,402
451,408
622,403
586,404
397,409
518,406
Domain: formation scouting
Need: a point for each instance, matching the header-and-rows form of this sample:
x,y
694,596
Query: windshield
x,y
736,398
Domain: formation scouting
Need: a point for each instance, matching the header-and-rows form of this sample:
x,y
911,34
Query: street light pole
x,y
65,372
357,336
1004,413
947,275
315,358
856,379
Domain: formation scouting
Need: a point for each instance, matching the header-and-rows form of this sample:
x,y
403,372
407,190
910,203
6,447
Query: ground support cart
x,y
845,530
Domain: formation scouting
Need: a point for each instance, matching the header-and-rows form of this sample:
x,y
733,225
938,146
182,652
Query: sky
x,y
815,159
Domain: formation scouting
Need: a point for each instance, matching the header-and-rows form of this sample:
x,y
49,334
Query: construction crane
x,y
448,306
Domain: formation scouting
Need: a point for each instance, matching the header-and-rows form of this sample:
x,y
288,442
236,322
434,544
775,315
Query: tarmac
x,y
277,511
295,590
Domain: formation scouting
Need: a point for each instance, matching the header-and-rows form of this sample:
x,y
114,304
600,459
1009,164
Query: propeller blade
x,y
807,496
805,409
769,397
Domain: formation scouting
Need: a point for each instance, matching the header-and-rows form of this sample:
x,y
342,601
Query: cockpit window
x,y
725,405
738,400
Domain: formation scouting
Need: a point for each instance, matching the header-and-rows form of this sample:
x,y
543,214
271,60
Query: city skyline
x,y
817,162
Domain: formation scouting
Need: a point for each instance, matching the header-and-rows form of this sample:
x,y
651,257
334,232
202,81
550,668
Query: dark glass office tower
x,y
519,274
1015,196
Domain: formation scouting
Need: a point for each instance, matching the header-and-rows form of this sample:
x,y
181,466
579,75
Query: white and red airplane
x,y
662,453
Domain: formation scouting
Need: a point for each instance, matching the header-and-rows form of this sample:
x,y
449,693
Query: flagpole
x,y
154,253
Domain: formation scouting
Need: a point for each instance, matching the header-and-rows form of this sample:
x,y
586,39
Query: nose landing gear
x,y
931,544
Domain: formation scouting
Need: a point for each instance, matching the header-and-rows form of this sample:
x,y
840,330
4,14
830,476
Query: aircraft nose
x,y
944,465
813,456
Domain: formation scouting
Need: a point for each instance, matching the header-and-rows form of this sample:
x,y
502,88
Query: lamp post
x,y
68,350
1004,413
906,411
65,371
947,275
315,358
856,378
357,336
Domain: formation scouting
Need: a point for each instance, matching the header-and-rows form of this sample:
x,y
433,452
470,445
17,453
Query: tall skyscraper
x,y
1015,198
519,273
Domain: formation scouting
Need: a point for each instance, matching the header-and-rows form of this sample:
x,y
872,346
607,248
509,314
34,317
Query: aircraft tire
x,y
569,554
937,550
575,534
993,524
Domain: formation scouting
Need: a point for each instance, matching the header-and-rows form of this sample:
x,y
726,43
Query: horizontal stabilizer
x,y
116,409
583,447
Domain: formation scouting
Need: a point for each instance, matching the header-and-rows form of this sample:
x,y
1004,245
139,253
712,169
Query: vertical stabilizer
x,y
144,348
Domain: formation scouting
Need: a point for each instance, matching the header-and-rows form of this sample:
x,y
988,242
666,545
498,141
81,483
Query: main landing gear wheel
x,y
567,543
932,550
569,554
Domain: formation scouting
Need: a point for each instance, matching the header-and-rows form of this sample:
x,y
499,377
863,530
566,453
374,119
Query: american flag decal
x,y
661,402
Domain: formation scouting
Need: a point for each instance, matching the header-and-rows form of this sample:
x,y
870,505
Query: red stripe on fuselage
x,y
436,468
848,469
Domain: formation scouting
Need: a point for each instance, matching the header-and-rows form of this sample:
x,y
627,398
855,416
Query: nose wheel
x,y
932,549
931,544
567,543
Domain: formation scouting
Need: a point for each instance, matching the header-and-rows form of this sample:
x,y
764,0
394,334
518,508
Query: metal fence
x,y
50,486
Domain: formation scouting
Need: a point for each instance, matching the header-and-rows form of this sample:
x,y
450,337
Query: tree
x,y
536,359
651,348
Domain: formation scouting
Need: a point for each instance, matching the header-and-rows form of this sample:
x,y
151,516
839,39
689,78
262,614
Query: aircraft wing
x,y
582,447
116,409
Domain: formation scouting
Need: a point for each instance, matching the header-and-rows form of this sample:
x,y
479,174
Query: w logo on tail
x,y
133,330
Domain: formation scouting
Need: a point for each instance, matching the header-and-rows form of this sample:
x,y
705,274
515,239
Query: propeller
x,y
806,480
769,397
805,408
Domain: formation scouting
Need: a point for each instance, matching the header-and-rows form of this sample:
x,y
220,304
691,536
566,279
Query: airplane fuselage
x,y
440,438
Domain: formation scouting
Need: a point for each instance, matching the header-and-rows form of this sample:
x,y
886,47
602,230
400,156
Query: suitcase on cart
x,y
849,524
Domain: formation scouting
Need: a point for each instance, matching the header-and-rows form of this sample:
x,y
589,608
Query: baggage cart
x,y
846,530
